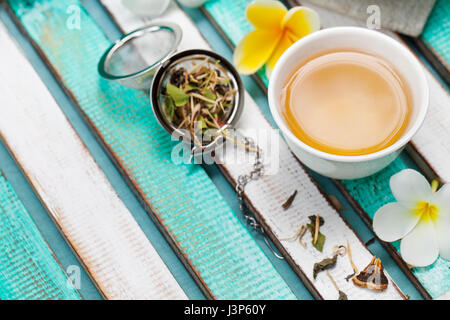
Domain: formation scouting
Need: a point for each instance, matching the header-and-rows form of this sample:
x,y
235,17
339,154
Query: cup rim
x,y
412,60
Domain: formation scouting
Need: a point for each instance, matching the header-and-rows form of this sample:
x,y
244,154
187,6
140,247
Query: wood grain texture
x,y
29,269
217,249
72,187
266,195
436,38
431,144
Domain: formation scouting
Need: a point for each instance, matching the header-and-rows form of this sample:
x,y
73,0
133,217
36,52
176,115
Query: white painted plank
x,y
70,184
433,139
445,296
267,194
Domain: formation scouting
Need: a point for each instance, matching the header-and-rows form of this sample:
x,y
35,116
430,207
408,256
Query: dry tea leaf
x,y
372,277
302,232
289,201
355,269
349,252
342,296
295,236
318,238
341,250
178,96
314,218
350,276
325,264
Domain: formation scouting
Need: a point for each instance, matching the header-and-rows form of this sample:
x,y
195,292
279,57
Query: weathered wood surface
x,y
217,249
431,146
266,195
434,42
29,269
77,195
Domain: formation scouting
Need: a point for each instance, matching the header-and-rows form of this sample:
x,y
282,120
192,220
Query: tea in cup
x,y
347,100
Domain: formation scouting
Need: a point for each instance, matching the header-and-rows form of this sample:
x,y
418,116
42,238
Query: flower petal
x,y
410,187
420,247
442,227
285,42
254,50
441,199
393,221
301,21
266,14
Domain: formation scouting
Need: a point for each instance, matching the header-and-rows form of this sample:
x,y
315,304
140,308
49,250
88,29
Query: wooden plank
x,y
217,249
430,148
434,58
29,268
72,187
266,195
434,42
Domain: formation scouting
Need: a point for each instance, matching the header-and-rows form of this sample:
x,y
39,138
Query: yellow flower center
x,y
426,211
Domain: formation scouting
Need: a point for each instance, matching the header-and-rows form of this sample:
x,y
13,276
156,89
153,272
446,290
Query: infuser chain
x,y
242,181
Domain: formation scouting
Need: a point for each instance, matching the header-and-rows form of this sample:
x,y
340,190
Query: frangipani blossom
x,y
420,218
276,30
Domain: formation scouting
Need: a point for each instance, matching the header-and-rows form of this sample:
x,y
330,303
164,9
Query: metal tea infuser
x,y
144,59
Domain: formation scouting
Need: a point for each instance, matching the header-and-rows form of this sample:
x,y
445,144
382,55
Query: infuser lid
x,y
134,59
188,61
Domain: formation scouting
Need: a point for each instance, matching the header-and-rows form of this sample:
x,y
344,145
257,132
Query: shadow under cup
x,y
362,40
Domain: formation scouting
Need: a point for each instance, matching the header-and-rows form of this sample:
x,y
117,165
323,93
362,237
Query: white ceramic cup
x,y
363,40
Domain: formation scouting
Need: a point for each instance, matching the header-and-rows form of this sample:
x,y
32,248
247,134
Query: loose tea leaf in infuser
x,y
372,277
289,201
199,99
178,96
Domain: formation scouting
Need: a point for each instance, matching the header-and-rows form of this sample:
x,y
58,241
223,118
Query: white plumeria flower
x,y
420,218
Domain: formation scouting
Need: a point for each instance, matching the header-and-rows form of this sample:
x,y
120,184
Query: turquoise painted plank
x,y
28,267
371,193
436,33
218,248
